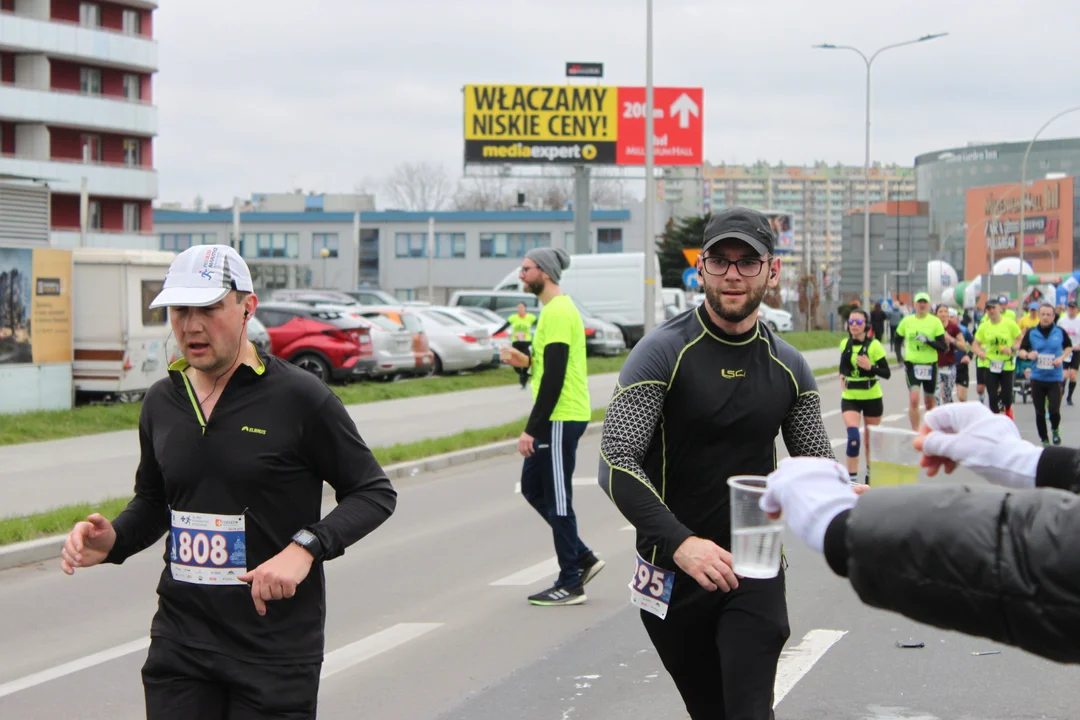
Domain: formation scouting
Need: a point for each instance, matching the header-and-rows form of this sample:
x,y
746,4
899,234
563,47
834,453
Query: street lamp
x,y
866,163
1023,201
324,253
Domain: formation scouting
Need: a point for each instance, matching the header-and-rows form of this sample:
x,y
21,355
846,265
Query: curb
x,y
48,548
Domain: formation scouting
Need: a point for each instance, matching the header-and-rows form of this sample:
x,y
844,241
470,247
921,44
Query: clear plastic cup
x,y
893,458
755,537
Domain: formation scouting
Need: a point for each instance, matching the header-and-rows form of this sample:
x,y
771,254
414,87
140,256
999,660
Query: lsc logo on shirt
x,y
730,374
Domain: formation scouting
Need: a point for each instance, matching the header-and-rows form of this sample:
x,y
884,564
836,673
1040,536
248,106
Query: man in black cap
x,y
700,399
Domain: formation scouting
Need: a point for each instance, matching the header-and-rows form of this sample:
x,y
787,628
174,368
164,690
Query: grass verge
x,y
90,419
60,520
821,372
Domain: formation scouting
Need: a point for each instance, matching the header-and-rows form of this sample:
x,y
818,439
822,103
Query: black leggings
x,y
1042,391
525,347
1000,388
723,659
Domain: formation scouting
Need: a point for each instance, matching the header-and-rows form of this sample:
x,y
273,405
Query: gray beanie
x,y
551,260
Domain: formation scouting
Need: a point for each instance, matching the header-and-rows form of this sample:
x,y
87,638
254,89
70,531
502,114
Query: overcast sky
x,y
271,95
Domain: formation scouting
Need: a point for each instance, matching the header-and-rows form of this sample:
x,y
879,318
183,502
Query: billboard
x,y
993,221
35,306
581,125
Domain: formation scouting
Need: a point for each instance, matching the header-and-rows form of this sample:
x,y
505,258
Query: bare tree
x,y
556,193
483,193
418,186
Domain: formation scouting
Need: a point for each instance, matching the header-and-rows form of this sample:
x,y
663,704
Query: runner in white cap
x,y
235,447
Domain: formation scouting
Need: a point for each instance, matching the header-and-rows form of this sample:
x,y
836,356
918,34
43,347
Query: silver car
x,y
601,337
392,343
457,345
495,324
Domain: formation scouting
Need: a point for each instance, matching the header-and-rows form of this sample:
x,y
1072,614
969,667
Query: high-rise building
x,y
816,197
76,105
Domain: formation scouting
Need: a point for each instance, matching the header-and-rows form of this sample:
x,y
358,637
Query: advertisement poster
x,y
35,306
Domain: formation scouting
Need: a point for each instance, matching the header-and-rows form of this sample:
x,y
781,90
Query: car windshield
x,y
383,322
442,318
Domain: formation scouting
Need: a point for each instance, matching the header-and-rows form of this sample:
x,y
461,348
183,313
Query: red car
x,y
329,344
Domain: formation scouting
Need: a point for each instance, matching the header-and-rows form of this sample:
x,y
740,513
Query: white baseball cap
x,y
203,275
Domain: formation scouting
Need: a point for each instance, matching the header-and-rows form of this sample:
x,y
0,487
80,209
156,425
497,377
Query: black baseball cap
x,y
740,223
1072,303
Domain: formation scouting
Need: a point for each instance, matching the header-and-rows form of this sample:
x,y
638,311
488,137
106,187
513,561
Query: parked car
x,y
258,335
327,343
423,357
309,295
500,337
778,320
501,302
372,296
601,336
392,343
457,345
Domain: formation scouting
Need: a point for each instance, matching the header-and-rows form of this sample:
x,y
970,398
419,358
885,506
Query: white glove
x,y
810,492
975,438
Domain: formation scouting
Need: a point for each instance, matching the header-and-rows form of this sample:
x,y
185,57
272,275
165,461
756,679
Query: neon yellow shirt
x,y
560,322
874,352
1027,322
522,326
915,351
995,336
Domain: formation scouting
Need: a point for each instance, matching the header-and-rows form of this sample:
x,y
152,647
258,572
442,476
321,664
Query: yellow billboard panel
x,y
51,335
541,113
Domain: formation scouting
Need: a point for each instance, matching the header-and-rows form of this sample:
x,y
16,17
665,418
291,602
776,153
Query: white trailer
x,y
119,341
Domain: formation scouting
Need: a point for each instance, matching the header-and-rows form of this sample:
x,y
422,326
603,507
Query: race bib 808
x,y
207,549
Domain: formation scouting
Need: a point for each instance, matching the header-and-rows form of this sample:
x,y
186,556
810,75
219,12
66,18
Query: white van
x,y
612,286
119,341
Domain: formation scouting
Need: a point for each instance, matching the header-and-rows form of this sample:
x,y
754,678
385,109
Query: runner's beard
x,y
535,287
715,296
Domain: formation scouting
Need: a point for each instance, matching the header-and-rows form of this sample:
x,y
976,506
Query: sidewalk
x,y
38,476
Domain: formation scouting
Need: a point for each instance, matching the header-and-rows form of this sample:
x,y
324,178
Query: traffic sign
x,y
678,126
690,278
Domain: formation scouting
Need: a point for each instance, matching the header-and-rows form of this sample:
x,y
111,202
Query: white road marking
x,y
796,662
893,418
74,666
576,482
529,575
354,653
830,413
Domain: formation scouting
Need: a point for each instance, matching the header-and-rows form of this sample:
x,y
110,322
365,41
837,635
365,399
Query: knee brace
x,y
853,442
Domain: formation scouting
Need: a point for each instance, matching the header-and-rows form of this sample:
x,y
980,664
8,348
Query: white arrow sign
x,y
684,107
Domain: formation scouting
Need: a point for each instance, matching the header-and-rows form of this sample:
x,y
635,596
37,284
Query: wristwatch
x,y
307,540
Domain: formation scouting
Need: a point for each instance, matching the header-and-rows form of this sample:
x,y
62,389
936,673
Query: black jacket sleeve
x,y
630,427
1059,467
146,518
882,369
937,343
1025,344
365,497
992,563
556,357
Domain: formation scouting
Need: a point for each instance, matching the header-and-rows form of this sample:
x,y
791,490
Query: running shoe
x,y
1009,414
590,568
1057,437
558,595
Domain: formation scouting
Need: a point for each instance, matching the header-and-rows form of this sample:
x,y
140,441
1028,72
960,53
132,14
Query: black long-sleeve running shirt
x,y
694,406
274,436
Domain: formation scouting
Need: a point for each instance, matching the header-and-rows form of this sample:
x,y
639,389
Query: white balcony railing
x,y
73,42
67,239
102,180
75,110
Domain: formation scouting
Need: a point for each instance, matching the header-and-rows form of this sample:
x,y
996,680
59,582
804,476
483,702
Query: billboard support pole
x,y
581,210
1023,203
650,180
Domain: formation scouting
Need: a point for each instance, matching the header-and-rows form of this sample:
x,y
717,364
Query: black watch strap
x,y
309,541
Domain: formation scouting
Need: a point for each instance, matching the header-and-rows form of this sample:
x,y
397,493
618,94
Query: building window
x,y
91,81
131,153
132,87
93,213
324,240
93,142
404,294
178,242
410,245
132,22
513,245
152,316
270,245
90,15
132,217
609,240
449,245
